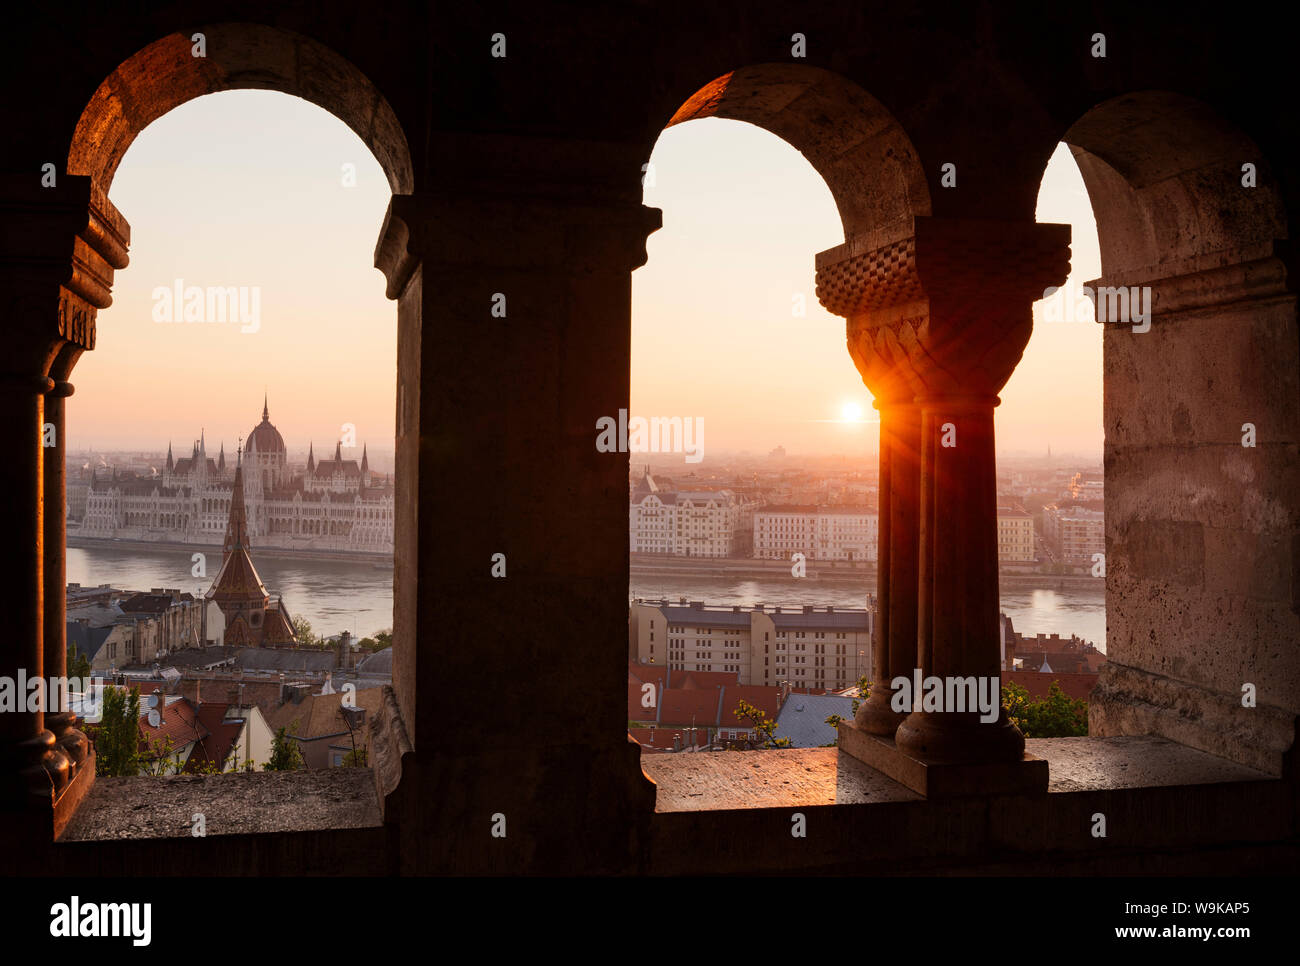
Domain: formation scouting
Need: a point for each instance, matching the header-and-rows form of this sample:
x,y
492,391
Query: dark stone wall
x,y
524,178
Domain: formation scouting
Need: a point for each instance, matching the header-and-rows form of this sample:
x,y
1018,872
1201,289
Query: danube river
x,y
1077,610
334,595
357,596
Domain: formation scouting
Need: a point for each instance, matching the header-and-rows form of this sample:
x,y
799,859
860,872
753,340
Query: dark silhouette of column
x,y
60,721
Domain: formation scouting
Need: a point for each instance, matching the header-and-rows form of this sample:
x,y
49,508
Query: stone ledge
x,y
234,804
703,781
706,781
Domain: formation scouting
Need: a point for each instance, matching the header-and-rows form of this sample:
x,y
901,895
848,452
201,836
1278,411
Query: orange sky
x,y
246,189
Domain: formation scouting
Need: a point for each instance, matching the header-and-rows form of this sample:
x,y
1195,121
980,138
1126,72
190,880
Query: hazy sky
x,y
246,188
713,331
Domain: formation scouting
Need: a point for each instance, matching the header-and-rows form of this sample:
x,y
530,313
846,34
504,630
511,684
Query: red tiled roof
x,y
180,723
222,736
1038,684
679,706
635,711
705,679
766,699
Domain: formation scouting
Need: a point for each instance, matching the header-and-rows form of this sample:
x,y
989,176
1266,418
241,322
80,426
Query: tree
x,y
383,639
302,628
355,759
117,734
1055,716
78,665
764,728
160,757
864,692
285,753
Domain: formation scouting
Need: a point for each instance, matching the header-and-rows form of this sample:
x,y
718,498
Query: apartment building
x,y
817,532
805,646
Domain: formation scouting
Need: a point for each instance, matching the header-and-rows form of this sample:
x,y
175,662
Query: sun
x,y
850,412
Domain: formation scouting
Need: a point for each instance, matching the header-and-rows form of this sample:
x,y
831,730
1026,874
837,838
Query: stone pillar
x,y
938,317
853,281
519,301
58,252
60,721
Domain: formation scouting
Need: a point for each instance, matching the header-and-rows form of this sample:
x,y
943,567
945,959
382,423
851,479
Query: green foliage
x,y
864,692
383,639
764,727
285,753
302,627
355,759
160,757
78,665
1055,716
117,734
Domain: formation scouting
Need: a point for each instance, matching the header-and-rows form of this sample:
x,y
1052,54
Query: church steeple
x,y
238,590
221,458
237,525
338,453
266,412
365,462
170,462
311,459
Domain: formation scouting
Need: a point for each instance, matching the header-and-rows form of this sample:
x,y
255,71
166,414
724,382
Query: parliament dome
x,y
265,438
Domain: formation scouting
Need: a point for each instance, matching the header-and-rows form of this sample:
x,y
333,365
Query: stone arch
x,y
239,56
1163,173
852,140
1218,349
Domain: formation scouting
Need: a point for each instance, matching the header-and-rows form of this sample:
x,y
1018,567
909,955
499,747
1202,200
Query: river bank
x,y
649,568
281,553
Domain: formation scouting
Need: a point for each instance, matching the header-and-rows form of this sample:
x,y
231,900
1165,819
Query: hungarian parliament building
x,y
333,505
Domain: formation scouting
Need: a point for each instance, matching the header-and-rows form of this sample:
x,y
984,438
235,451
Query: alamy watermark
x,y
658,434
33,694
214,304
954,694
1105,303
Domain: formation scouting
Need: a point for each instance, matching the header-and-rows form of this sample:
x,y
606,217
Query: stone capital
x,y
538,230
59,248
946,308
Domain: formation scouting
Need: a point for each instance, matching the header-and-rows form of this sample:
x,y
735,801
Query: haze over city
x,y
715,330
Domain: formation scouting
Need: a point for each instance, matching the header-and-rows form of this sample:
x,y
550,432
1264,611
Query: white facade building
x,y
335,505
688,523
817,532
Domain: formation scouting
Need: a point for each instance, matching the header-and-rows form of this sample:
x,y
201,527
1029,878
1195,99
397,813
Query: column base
x,y
1027,776
66,804
876,717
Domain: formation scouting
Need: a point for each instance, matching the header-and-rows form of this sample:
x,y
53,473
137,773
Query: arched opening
x,y
171,72
728,333
1050,478
1198,320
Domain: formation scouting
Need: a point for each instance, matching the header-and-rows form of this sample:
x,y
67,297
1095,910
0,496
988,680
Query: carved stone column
x,y
60,721
855,280
513,283
944,314
58,249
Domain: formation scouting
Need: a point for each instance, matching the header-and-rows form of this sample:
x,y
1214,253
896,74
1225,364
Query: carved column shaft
x,y
938,318
58,251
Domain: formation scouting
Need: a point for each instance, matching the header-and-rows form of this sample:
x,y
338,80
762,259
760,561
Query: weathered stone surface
x,y
242,803
767,779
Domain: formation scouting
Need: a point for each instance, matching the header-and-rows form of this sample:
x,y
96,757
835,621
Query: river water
x,y
1080,611
357,596
334,595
